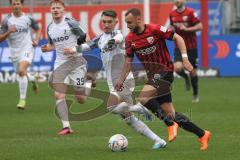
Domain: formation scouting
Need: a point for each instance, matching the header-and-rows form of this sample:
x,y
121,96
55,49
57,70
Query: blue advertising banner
x,y
215,16
224,54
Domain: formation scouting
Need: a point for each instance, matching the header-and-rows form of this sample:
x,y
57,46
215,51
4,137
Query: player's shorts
x,y
126,93
192,56
26,56
71,73
162,82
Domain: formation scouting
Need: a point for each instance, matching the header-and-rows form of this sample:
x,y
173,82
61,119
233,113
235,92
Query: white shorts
x,y
74,77
26,56
77,77
126,93
71,72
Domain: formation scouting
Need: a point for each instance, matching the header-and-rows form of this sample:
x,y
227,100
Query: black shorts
x,y
192,56
162,82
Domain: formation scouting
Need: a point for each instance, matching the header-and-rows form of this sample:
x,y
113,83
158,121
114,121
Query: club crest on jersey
x,y
185,18
150,40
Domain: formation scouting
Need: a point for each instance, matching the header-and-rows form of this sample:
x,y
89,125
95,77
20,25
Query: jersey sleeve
x,y
163,32
118,36
194,17
77,30
4,25
34,25
48,36
94,42
128,47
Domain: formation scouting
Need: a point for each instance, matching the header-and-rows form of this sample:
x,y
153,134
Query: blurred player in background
x,y
111,44
17,29
147,42
185,22
64,33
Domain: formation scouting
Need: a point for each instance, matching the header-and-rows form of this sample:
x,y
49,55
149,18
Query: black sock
x,y
187,125
183,74
155,108
194,81
168,121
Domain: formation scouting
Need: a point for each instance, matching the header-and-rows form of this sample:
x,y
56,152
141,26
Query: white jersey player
x,y
17,28
110,43
64,33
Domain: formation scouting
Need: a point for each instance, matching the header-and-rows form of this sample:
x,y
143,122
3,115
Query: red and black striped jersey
x,y
188,18
151,49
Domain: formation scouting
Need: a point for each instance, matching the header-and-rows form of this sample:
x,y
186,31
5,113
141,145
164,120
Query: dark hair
x,y
22,1
110,13
57,1
134,12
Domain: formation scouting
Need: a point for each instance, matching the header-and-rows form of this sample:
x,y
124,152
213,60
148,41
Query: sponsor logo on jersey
x,y
147,51
22,30
185,18
150,40
60,39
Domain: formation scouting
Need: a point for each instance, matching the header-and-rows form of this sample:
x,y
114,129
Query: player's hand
x,y
12,28
183,27
187,65
118,85
35,43
45,48
69,51
111,44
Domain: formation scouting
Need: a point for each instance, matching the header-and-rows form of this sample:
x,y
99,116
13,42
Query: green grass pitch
x,y
31,134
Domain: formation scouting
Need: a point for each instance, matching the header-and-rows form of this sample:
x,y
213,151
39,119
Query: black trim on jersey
x,y
76,30
94,42
49,38
34,25
4,26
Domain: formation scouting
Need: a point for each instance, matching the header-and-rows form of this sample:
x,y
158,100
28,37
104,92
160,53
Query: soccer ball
x,y
118,143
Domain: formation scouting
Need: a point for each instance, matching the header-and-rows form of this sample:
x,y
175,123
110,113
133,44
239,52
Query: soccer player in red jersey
x,y
185,22
147,42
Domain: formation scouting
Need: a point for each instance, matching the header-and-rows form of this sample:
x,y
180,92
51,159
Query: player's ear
x,y
138,19
116,21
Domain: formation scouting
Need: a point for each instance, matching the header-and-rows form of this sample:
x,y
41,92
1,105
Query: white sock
x,y
63,112
139,108
88,86
65,124
30,77
142,128
23,84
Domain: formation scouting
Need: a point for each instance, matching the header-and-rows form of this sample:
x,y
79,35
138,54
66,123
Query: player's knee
x,y
143,100
81,99
193,73
178,67
59,96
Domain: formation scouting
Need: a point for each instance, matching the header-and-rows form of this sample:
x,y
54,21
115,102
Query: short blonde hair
x,y
57,1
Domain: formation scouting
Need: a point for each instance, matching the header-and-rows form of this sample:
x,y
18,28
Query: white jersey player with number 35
x,y
63,34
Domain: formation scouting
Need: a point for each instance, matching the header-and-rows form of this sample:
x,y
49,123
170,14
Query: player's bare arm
x,y
195,28
125,71
11,29
182,47
77,49
37,37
